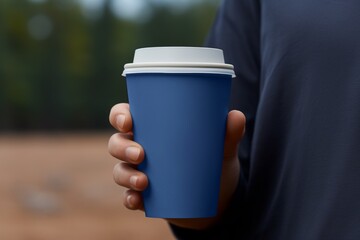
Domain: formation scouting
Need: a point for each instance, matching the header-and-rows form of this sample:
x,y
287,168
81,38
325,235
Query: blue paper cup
x,y
179,117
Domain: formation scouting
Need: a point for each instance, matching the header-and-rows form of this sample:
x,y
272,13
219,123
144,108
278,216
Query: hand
x,y
122,147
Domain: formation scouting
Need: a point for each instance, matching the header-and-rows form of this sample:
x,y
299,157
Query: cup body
x,y
180,120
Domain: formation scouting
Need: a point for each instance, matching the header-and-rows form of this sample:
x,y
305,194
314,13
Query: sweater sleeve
x,y
236,31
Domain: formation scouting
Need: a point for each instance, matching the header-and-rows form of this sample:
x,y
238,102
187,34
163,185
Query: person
x,y
298,84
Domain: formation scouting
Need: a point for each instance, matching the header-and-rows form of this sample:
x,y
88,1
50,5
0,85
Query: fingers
x,y
120,117
235,129
127,176
125,173
122,147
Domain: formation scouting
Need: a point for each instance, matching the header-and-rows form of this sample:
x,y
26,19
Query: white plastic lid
x,y
179,60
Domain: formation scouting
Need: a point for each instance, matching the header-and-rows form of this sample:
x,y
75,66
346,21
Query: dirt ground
x,y
60,186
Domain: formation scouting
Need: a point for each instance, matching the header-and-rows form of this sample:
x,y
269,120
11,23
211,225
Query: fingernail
x,y
133,180
120,120
130,201
132,153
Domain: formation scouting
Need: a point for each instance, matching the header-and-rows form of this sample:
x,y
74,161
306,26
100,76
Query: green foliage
x,y
62,70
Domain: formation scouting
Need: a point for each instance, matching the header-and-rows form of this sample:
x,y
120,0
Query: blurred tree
x,y
60,69
105,69
177,28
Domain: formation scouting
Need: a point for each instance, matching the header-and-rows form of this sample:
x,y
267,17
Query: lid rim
x,y
179,65
179,70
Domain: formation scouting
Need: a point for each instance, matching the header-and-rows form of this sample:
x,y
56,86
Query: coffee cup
x,y
178,100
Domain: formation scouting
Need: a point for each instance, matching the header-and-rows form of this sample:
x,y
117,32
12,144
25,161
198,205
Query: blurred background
x,y
60,73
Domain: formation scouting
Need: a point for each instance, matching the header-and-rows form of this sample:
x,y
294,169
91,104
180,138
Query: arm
x,y
239,45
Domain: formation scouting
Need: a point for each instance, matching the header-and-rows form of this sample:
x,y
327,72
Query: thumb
x,y
235,129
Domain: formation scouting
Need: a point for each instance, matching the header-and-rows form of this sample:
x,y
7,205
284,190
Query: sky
x,y
40,26
134,9
131,9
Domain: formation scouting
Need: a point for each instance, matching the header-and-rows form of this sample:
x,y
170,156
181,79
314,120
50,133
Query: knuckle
x,y
117,145
117,173
114,145
111,141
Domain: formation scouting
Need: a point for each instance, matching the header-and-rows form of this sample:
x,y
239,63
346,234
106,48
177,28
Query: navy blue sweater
x,y
298,82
